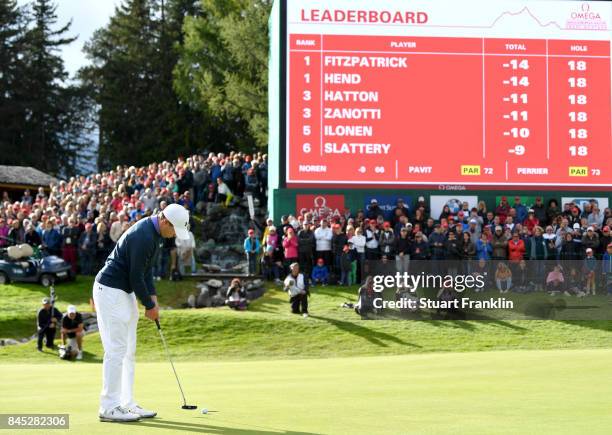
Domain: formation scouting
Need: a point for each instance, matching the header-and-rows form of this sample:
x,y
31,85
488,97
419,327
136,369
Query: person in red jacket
x,y
503,209
531,222
516,249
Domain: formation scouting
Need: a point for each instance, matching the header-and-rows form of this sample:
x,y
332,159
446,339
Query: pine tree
x,y
140,116
223,66
55,121
13,24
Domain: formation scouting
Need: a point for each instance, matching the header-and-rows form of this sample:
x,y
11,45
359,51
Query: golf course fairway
x,y
544,392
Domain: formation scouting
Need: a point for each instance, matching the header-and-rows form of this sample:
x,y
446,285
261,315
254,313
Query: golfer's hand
x,y
153,313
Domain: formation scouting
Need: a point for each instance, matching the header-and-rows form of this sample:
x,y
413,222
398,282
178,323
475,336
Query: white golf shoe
x,y
141,412
79,355
118,414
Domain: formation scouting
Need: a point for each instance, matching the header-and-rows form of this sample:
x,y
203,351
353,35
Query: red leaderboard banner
x,y
430,110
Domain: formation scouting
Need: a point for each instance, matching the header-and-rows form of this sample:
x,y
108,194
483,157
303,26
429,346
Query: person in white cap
x,y
72,329
127,275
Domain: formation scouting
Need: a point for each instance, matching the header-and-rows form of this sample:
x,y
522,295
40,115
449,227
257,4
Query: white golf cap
x,y
179,218
71,309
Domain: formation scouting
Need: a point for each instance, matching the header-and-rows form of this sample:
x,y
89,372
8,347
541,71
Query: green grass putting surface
x,y
546,392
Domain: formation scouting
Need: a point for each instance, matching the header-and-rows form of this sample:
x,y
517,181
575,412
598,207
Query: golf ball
x,y
204,411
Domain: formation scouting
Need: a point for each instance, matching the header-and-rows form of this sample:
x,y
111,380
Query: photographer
x,y
72,328
47,319
236,296
297,287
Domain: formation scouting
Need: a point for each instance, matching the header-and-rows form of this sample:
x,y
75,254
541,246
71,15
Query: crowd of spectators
x,y
82,218
500,243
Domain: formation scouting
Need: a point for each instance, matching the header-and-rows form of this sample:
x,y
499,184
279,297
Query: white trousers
x,y
117,313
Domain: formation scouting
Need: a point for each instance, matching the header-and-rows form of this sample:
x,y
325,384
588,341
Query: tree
x,y
140,117
13,24
46,118
223,66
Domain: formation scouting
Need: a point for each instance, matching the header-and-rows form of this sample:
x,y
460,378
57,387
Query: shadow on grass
x,y
602,325
374,337
214,429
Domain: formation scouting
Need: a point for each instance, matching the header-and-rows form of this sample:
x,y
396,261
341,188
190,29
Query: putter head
x,y
189,407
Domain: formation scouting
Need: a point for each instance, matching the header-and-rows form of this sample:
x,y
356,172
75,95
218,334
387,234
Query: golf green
x,y
556,391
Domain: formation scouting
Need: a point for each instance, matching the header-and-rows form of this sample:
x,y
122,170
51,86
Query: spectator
x,y
531,221
51,239
590,265
320,273
236,297
552,211
70,239
252,247
605,239
499,243
359,242
297,286
374,211
550,238
104,244
224,193
16,234
339,240
27,199
503,209
555,280
290,247
419,249
4,232
372,235
386,242
503,278
323,242
345,265
516,249
540,211
402,248
32,238
606,269
521,210
469,249
251,183
87,249
185,253
484,250
306,247
47,319
271,267
72,329
590,240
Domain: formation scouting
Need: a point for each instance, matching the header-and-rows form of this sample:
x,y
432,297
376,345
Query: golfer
x,y
127,275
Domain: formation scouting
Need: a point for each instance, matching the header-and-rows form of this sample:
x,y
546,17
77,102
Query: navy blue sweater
x,y
129,265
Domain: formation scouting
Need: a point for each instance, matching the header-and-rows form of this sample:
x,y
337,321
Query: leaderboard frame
x,y
361,180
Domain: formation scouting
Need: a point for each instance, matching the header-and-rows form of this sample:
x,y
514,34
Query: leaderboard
x,y
372,109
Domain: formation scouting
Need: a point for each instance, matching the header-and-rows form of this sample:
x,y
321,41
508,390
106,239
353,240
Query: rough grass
x,y
269,331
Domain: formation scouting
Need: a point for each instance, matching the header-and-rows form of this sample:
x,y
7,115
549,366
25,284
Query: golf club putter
x,y
161,334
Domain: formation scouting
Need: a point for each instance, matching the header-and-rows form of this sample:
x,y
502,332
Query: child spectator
x,y
320,273
252,247
345,265
590,264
